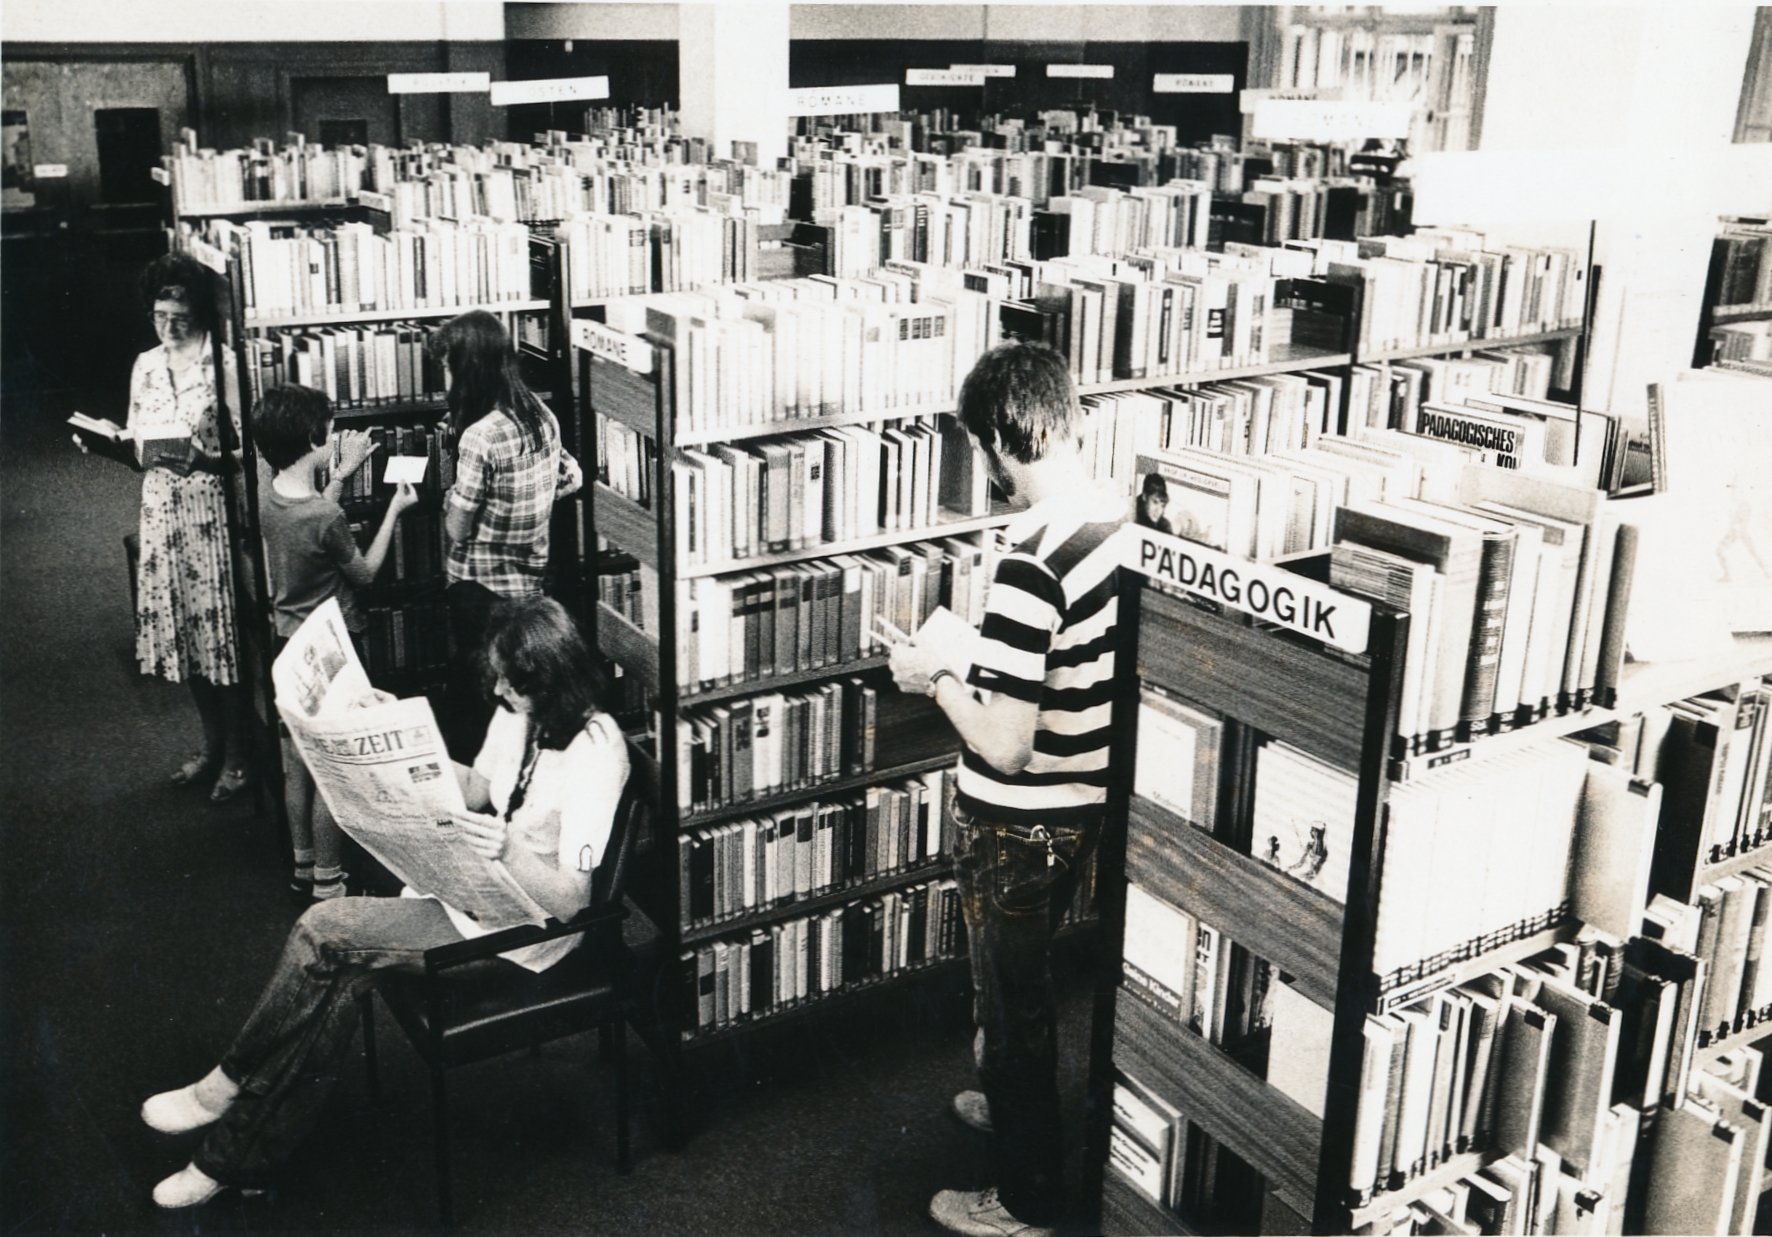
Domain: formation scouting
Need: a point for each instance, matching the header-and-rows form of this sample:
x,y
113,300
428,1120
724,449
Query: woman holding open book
x,y
184,614
541,799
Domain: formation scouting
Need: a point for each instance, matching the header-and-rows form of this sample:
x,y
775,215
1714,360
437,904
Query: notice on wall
x,y
1272,594
989,70
1325,120
943,77
1079,70
842,100
627,350
50,171
439,83
550,90
1192,83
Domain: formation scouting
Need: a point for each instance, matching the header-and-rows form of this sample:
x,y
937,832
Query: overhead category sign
x,y
1192,83
1331,120
439,83
842,100
1079,70
1272,594
550,90
943,77
612,345
989,70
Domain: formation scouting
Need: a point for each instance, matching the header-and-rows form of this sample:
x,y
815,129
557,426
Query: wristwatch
x,y
941,672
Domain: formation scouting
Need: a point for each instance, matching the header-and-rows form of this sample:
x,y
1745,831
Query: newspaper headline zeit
x,y
386,743
1271,594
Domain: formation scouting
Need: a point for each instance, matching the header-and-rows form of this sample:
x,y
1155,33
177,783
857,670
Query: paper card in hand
x,y
407,469
953,639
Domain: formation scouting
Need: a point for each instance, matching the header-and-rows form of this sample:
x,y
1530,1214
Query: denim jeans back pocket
x,y
1026,863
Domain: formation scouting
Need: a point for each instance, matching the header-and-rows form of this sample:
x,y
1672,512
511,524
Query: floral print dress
x,y
184,618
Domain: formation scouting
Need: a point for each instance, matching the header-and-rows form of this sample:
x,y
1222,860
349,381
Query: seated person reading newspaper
x,y
514,839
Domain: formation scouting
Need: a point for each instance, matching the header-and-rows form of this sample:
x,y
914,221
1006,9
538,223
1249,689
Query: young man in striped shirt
x,y
1034,715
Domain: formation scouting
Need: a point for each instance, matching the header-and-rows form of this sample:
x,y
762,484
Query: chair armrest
x,y
458,953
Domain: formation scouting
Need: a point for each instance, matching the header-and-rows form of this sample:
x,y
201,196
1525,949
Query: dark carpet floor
x,y
137,923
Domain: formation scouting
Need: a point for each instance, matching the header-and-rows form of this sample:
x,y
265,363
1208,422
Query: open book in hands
x,y
954,640
105,437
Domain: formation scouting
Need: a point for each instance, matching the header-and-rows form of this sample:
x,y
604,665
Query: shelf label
x,y
439,83
1079,70
50,171
1270,593
208,255
1331,120
160,176
943,77
842,100
375,201
612,345
1248,99
550,90
1192,83
989,70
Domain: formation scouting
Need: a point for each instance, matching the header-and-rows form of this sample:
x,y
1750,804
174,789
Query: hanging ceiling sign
x,y
943,77
1247,100
1271,594
439,83
1079,70
1192,83
1325,120
550,90
49,171
989,70
842,100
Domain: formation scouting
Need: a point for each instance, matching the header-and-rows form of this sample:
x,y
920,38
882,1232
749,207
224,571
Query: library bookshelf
x,y
1339,708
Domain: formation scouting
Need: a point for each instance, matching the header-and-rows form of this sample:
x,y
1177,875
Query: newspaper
x,y
383,770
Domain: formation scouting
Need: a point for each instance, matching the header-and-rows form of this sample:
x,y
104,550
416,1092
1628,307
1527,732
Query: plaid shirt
x,y
508,493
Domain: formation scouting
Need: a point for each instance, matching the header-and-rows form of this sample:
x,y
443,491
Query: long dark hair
x,y
483,374
178,277
543,656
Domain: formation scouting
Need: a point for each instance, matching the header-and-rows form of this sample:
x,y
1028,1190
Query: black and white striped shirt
x,y
1048,638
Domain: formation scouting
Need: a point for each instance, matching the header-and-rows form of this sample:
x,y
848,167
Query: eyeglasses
x,y
181,321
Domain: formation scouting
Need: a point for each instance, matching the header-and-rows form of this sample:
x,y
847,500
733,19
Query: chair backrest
x,y
633,818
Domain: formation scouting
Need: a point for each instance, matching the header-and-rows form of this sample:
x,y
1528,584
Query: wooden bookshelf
x,y
953,525
815,790
626,523
817,904
258,210
827,1002
780,682
1724,315
625,644
1127,1209
1295,927
1275,1134
1455,1167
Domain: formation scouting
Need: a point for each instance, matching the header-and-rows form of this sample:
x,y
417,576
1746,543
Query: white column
x,y
732,75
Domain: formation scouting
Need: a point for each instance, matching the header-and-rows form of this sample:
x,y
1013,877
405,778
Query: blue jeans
x,y
287,1056
1015,889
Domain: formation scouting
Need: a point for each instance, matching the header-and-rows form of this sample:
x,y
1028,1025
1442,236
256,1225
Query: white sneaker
x,y
977,1213
177,1112
974,1109
190,1186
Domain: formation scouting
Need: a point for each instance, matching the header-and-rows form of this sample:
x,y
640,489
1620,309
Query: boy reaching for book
x,y
310,556
1034,714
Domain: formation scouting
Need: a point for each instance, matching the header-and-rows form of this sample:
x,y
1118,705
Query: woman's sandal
x,y
195,769
230,783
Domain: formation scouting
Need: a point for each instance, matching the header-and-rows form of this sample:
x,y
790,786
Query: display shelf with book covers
x,y
806,861
1734,316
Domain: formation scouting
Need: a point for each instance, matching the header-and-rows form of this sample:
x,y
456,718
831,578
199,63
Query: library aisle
x,y
139,922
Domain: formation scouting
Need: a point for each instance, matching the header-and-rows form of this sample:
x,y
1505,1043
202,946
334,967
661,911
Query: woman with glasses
x,y
184,614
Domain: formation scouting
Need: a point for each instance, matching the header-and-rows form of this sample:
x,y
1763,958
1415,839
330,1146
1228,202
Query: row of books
x,y
822,614
1723,928
1714,760
792,492
630,253
1739,342
629,587
289,269
1173,1162
1194,975
406,442
416,552
812,848
1741,266
772,742
407,639
788,964
358,367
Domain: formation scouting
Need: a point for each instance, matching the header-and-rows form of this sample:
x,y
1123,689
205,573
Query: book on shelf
x,y
1147,1140
1157,961
1298,1052
1303,818
1696,1167
1177,758
1613,848
1736,1105
763,972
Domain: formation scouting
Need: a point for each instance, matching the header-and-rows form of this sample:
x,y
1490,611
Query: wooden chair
x,y
470,1005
